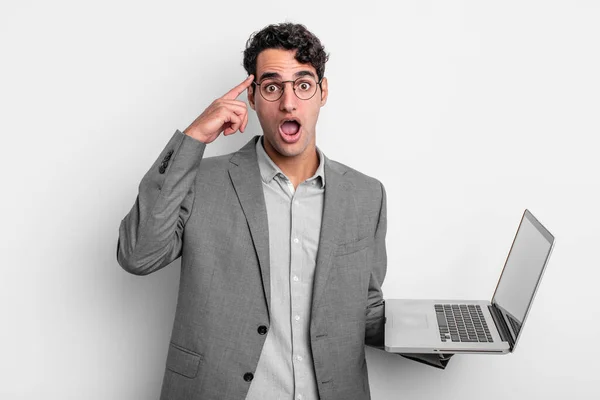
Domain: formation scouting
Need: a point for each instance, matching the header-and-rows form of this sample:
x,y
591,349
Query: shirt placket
x,y
298,313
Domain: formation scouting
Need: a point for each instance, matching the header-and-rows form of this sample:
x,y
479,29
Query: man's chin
x,y
288,149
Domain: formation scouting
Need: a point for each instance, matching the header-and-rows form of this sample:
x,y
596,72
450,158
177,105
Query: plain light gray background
x,y
468,111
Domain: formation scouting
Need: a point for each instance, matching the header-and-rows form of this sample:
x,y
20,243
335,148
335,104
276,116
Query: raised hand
x,y
225,114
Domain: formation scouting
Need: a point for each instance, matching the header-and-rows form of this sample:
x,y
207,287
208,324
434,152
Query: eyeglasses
x,y
304,87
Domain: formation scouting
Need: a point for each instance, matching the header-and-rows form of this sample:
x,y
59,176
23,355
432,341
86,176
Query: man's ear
x,y
324,91
251,97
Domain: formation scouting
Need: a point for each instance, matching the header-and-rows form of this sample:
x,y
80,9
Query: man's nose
x,y
288,100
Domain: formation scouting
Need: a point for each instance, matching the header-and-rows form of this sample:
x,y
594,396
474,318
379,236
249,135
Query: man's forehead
x,y
281,63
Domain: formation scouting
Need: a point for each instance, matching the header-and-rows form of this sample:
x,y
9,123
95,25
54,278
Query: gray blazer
x,y
212,213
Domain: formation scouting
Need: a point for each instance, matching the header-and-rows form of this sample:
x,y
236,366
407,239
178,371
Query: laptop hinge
x,y
501,325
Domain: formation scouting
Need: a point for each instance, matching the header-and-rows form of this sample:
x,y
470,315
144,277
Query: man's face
x,y
281,136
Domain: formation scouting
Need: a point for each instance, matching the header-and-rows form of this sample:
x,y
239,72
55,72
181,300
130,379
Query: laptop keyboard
x,y
462,323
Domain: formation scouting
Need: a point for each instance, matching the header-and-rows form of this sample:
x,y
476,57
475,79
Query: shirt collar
x,y
268,169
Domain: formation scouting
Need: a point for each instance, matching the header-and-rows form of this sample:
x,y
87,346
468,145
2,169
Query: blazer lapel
x,y
331,224
247,182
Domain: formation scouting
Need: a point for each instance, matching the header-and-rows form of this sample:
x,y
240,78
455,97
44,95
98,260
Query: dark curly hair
x,y
288,36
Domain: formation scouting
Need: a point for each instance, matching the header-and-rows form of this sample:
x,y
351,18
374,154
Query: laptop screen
x,y
522,271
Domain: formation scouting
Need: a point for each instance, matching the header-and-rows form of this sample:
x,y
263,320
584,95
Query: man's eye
x,y
304,85
271,88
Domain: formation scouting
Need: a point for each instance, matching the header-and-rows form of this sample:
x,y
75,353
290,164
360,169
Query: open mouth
x,y
290,130
290,127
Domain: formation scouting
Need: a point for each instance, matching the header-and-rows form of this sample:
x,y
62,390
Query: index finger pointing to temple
x,y
239,89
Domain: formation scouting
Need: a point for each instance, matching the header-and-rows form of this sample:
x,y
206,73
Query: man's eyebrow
x,y
269,75
304,73
298,74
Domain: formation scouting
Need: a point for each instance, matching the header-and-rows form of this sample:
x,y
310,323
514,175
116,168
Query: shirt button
x,y
296,279
299,397
248,376
297,202
296,240
297,318
299,358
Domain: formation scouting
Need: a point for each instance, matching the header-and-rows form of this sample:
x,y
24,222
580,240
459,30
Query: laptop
x,y
480,326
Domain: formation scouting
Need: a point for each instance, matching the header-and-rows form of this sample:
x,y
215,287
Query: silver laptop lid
x,y
522,273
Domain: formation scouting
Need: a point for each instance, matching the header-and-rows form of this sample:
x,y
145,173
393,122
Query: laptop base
x,y
412,328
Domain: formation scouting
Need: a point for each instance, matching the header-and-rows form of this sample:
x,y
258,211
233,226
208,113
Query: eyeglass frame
x,y
283,88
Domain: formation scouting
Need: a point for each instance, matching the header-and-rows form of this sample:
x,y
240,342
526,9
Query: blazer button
x,y
162,169
168,156
262,330
248,376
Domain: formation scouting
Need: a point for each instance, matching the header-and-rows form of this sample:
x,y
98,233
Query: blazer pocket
x,y
183,361
353,247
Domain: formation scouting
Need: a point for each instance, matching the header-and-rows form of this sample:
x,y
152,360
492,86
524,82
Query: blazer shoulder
x,y
216,162
214,169
356,178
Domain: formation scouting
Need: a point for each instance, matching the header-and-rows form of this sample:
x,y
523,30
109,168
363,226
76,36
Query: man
x,y
283,250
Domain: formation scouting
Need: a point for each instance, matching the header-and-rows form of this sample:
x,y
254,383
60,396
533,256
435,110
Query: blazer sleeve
x,y
374,328
375,314
150,235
